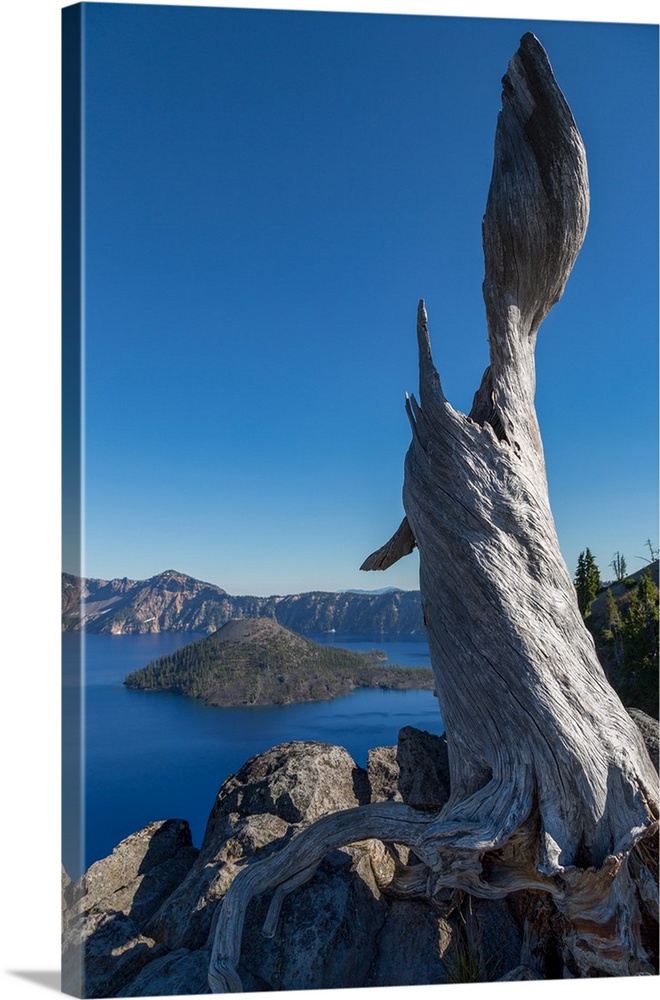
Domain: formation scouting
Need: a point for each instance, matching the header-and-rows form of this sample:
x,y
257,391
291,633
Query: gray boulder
x,y
139,875
411,946
256,811
299,782
415,771
423,768
100,958
383,774
105,911
176,973
454,940
328,930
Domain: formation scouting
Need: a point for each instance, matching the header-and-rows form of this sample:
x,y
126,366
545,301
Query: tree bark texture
x,y
551,785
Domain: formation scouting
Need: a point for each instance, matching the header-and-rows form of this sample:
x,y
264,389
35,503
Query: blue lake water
x,y
152,755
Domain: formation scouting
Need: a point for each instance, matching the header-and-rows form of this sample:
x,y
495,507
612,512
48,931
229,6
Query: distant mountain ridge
x,y
174,601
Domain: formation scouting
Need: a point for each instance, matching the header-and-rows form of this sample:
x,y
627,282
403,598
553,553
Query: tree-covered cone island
x,y
255,661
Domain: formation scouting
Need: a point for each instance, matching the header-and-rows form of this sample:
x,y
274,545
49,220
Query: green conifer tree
x,y
612,634
639,629
587,581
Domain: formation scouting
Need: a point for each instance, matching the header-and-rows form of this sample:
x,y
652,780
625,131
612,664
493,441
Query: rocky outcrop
x,y
257,810
412,920
173,601
143,918
105,912
180,972
423,768
383,775
328,934
415,771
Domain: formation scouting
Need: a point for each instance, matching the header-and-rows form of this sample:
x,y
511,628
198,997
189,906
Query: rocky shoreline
x,y
140,922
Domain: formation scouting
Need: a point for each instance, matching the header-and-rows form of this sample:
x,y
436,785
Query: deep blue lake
x,y
152,755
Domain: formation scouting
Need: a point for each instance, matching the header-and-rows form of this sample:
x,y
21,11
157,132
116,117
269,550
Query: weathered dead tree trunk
x,y
551,785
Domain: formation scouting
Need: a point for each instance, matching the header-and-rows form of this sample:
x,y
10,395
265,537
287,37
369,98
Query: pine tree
x,y
640,648
587,581
613,633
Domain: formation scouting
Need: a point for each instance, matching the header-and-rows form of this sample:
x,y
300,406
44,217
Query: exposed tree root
x,y
392,822
602,906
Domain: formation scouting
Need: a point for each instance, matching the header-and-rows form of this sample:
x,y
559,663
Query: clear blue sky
x,y
268,194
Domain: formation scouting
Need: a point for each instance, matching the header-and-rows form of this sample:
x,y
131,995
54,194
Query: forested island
x,y
259,662
622,615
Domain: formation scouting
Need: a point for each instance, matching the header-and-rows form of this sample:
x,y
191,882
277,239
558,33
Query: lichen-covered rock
x,y
256,810
107,908
138,876
383,774
299,782
415,771
185,918
328,930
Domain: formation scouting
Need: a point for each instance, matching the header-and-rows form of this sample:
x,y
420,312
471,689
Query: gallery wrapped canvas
x,y
281,773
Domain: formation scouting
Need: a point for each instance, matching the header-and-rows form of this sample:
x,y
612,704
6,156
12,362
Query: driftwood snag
x,y
551,785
